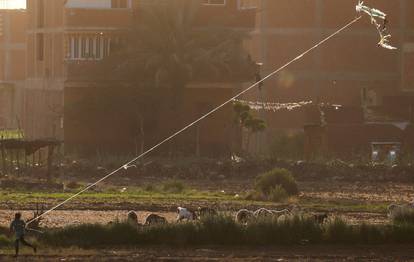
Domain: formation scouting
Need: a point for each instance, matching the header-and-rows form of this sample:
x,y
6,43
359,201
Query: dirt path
x,y
76,217
61,218
298,253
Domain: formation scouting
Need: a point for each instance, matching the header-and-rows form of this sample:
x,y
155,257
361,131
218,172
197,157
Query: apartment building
x,y
63,35
350,69
341,68
67,41
12,65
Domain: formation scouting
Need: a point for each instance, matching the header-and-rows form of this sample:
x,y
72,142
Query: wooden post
x,y
39,157
50,150
33,159
25,160
3,160
10,154
18,161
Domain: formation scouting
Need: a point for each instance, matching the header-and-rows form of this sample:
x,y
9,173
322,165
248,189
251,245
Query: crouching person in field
x,y
18,226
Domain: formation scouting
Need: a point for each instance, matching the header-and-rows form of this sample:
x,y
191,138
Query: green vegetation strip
x,y
223,230
27,200
136,195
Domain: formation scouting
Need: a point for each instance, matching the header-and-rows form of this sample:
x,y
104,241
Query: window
x,y
247,4
119,4
40,47
214,2
88,47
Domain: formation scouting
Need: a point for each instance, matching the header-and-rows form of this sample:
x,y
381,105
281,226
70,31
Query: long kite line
x,y
128,164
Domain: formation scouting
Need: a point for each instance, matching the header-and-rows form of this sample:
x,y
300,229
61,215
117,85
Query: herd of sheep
x,y
242,216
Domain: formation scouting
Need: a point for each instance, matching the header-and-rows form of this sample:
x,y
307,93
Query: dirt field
x,y
76,217
349,200
298,253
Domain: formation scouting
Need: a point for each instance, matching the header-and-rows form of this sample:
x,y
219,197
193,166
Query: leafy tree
x,y
245,119
167,49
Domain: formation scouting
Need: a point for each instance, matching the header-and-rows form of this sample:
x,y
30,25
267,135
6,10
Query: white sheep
x,y
184,213
264,212
282,212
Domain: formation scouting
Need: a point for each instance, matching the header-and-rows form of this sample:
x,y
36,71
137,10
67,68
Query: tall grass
x,y
223,230
403,216
5,241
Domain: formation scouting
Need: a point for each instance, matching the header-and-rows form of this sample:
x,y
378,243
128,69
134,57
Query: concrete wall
x,y
106,118
12,67
45,69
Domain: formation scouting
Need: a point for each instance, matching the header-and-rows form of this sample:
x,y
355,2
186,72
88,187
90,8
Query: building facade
x,y
68,38
347,64
12,66
349,70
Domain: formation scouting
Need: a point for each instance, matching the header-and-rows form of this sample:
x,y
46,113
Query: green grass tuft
x,y
173,186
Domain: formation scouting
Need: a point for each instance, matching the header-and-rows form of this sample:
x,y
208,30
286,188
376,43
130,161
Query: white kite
x,y
384,42
372,12
382,29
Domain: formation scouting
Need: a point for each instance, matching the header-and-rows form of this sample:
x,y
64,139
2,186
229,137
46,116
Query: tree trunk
x,y
50,151
198,140
142,134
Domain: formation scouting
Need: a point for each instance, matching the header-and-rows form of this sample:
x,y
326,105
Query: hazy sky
x,y
12,4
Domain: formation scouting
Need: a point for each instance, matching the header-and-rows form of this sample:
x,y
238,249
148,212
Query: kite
x,y
382,29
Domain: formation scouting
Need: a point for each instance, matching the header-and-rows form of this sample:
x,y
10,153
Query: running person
x,y
18,226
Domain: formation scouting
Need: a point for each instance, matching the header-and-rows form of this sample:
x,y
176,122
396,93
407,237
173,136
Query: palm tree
x,y
167,50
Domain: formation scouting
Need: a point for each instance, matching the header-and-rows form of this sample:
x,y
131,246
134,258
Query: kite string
x,y
197,120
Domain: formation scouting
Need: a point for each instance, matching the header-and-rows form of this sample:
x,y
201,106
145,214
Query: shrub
x,y
150,188
221,229
403,216
4,241
73,185
268,181
338,231
173,186
287,146
278,194
90,235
